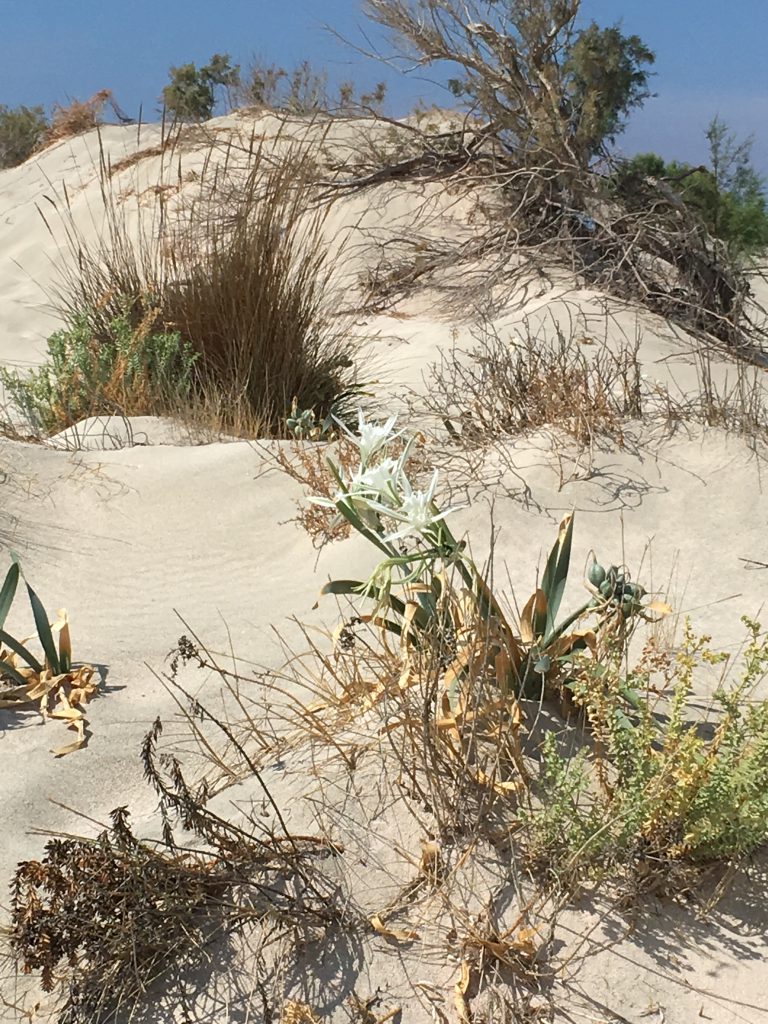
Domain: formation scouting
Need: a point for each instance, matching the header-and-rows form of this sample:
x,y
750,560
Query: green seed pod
x,y
596,574
606,588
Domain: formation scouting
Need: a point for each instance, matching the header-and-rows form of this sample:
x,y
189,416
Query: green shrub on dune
x,y
136,370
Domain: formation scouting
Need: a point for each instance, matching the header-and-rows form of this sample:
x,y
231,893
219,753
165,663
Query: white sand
x,y
137,529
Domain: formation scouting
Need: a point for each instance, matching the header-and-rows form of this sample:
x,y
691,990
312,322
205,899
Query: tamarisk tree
x,y
553,91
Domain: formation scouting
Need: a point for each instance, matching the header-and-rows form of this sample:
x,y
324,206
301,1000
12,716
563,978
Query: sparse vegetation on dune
x,y
226,328
540,739
439,773
304,90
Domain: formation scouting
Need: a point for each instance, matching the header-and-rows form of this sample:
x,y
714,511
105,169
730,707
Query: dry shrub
x,y
503,389
243,277
548,174
306,463
738,403
76,118
104,919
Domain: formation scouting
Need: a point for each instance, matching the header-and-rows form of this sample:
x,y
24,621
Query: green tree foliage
x,y
728,195
606,79
554,91
191,93
21,131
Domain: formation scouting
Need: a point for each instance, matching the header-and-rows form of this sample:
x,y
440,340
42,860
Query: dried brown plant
x,y
76,118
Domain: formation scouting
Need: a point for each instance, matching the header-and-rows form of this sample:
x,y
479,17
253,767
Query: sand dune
x,y
128,524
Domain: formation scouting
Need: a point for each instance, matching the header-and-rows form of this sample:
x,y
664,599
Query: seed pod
x,y
596,574
628,607
606,588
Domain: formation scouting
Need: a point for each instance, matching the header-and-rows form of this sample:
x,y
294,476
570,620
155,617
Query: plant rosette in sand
x,y
59,689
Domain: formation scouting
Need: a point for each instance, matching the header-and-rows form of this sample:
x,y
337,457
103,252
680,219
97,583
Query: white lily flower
x,y
380,481
416,511
372,437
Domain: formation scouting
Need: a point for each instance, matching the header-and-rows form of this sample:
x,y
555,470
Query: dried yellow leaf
x,y
297,1013
659,608
535,607
69,748
429,864
389,933
460,994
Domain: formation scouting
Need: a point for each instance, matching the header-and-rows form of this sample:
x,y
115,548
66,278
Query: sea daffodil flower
x,y
372,437
416,512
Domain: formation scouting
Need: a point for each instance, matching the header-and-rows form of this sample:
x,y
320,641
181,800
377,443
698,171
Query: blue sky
x,y
710,55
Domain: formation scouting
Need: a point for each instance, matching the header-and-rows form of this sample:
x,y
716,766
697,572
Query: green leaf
x,y
556,572
44,631
21,650
8,592
354,588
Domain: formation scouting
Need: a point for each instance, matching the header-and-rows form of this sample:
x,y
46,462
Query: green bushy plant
x,y
658,789
135,370
728,195
21,131
191,93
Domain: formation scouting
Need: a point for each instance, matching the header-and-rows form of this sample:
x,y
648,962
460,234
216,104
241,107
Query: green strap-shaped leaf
x,y
556,572
21,650
44,631
356,588
8,592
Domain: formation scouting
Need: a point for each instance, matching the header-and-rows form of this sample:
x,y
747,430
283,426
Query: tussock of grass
x,y
252,295
242,287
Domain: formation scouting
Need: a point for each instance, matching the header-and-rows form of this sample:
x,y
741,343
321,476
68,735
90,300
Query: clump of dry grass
x,y
75,118
738,402
505,388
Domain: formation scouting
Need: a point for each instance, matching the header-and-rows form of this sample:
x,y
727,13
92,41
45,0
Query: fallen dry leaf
x,y
295,1012
389,933
460,994
429,865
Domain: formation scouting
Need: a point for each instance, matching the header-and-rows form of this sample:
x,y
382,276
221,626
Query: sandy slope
x,y
125,537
